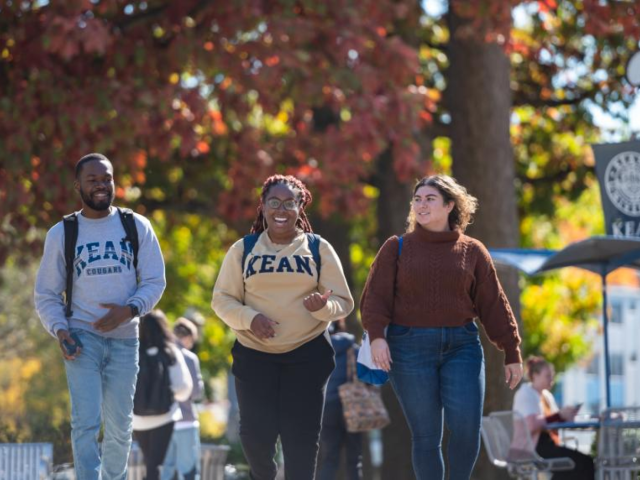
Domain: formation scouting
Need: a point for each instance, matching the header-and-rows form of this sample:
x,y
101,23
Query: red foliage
x,y
160,81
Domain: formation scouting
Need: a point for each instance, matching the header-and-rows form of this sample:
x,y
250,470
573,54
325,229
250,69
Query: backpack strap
x,y
248,241
313,241
131,231
400,238
70,223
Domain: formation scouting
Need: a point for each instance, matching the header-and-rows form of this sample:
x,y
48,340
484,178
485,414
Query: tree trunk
x,y
335,230
478,98
392,210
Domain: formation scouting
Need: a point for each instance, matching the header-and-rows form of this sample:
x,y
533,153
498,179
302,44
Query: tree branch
x,y
441,47
437,129
557,177
521,99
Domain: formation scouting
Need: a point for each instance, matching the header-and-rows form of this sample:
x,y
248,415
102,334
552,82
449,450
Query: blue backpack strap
x,y
313,241
400,238
70,223
248,241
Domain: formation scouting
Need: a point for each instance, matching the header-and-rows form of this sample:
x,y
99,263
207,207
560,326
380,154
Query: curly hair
x,y
465,205
304,199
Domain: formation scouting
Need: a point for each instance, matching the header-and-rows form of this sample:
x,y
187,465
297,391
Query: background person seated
x,y
536,404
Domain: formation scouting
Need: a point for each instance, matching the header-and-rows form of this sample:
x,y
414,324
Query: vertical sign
x,y
618,170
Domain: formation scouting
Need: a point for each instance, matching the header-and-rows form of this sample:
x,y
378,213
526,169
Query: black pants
x,y
334,435
584,469
154,444
282,395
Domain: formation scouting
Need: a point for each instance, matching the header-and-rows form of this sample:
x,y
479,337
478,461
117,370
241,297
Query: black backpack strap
x,y
70,223
313,241
131,231
248,241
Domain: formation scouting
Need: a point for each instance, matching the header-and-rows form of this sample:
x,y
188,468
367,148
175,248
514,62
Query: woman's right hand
x,y
380,354
262,327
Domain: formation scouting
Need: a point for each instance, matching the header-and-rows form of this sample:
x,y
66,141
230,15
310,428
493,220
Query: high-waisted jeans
x,y
436,371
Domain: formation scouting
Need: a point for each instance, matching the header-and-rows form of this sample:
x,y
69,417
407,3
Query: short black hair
x,y
89,158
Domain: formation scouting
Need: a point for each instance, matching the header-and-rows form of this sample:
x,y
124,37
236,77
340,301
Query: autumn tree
x,y
197,101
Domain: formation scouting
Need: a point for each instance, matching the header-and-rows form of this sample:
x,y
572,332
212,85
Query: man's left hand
x,y
117,315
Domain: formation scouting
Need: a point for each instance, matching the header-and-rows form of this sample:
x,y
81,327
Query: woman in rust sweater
x,y
427,288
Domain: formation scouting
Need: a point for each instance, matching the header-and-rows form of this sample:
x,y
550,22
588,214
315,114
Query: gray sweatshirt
x,y
189,414
103,273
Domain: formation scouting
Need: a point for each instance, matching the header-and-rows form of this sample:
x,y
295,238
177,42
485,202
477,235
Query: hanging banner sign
x,y
618,170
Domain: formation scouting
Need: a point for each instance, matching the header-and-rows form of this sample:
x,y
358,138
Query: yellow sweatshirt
x,y
275,281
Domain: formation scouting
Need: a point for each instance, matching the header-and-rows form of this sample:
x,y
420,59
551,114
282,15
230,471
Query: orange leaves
x,y
547,6
139,159
426,117
218,126
138,163
226,83
202,147
272,61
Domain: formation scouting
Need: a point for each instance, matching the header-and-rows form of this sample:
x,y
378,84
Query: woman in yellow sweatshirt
x,y
279,301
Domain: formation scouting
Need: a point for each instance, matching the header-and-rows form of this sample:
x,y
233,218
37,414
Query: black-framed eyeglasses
x,y
289,204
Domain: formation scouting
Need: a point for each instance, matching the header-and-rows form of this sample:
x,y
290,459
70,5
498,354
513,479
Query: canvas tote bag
x,y
362,404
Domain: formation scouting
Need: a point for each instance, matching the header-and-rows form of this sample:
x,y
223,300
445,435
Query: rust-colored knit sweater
x,y
441,279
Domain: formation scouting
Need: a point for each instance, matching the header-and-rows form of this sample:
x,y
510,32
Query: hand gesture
x,y
262,327
64,336
513,374
117,315
315,301
380,354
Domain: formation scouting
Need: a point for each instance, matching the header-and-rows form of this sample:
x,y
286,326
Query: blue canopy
x,y
599,254
527,260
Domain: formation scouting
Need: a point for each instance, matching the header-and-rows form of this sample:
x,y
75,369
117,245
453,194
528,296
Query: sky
x,y
613,129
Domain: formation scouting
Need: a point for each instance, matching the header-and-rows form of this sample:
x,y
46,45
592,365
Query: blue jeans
x,y
183,455
102,380
332,437
438,370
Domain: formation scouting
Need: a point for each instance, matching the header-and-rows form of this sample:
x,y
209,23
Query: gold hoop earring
x,y
264,224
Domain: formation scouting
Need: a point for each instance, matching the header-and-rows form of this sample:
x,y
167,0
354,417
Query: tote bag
x,y
369,372
362,404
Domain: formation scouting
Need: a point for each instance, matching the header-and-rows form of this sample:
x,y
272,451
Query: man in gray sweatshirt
x,y
99,339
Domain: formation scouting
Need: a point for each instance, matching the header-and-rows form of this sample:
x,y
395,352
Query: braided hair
x,y
304,199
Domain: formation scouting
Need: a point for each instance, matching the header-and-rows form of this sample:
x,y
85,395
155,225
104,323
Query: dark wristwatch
x,y
135,311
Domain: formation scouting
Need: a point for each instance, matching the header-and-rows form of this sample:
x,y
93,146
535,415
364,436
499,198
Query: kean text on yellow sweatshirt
x,y
275,280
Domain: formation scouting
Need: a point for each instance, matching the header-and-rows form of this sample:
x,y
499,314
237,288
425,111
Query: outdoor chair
x,y
619,444
508,443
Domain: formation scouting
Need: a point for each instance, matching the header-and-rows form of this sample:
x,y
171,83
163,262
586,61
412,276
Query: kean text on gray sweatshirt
x,y
103,273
